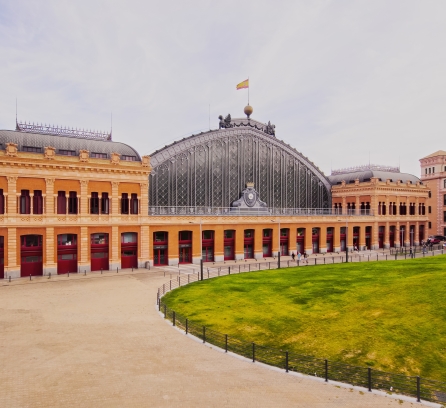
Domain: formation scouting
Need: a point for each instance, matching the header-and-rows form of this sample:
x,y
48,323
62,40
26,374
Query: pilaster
x,y
144,246
11,267
84,198
12,195
50,265
84,243
115,261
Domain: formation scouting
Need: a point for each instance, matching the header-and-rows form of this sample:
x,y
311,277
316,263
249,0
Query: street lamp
x,y
346,237
201,248
278,252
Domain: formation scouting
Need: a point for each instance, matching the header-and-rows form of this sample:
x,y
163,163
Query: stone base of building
x,y
239,257
337,249
14,274
50,269
196,261
219,258
258,255
174,261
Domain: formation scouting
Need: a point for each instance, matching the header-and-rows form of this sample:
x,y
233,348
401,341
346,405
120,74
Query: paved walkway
x,y
98,341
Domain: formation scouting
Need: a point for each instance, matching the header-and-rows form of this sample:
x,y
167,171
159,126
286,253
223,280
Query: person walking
x,y
293,255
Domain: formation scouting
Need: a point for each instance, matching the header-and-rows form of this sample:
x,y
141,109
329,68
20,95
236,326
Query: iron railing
x,y
230,211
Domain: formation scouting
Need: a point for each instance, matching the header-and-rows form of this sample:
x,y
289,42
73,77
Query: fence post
x,y
253,352
204,334
165,311
159,305
187,326
315,261
249,266
326,370
226,343
173,318
188,277
208,273
229,269
418,389
286,361
369,375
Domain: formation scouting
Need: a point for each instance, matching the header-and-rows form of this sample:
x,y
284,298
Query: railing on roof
x,y
59,131
261,212
366,167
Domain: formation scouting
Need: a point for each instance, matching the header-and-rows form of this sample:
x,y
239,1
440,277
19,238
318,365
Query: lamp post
x,y
278,252
201,248
346,237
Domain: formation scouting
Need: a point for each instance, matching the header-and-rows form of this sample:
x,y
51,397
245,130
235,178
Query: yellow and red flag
x,y
243,85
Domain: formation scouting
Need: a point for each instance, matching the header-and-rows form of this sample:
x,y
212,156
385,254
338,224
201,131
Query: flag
x,y
243,85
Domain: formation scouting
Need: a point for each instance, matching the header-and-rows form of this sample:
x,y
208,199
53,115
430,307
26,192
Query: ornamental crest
x,y
115,158
250,199
50,152
11,149
84,155
145,161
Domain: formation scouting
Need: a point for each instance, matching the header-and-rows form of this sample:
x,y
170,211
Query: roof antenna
x,y
111,125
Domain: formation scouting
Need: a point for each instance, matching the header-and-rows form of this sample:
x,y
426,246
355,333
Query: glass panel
x,y
229,233
128,237
99,239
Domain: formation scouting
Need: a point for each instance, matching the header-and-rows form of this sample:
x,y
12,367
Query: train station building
x,y
75,200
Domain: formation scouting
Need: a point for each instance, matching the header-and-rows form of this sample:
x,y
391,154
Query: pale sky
x,y
343,81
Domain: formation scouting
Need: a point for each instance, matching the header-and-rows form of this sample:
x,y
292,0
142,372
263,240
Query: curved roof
x,y
65,143
212,169
185,144
366,175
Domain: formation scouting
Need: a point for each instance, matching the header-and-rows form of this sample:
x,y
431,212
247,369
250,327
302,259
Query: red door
x,y
66,253
129,250
99,252
31,253
2,259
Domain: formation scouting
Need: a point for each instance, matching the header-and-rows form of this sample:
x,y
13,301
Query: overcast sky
x,y
343,81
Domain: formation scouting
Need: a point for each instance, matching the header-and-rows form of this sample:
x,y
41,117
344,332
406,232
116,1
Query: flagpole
x,y
248,90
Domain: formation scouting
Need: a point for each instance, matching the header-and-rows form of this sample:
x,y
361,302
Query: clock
x,y
250,196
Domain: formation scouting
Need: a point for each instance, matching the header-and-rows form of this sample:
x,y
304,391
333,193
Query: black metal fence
x,y
420,388
417,387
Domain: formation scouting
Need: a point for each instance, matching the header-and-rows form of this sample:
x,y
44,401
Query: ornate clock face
x,y
250,198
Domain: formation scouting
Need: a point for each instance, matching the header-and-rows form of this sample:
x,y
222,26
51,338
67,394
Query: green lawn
x,y
387,315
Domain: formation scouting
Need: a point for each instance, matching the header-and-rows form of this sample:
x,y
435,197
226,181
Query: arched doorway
x,y
129,250
31,253
66,253
99,252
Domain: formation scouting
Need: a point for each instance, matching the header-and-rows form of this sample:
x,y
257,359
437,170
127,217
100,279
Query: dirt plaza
x,y
98,341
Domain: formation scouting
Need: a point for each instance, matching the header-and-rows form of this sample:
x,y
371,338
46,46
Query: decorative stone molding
x,y
143,186
12,179
50,152
84,156
357,182
115,158
145,161
115,184
84,183
11,149
49,181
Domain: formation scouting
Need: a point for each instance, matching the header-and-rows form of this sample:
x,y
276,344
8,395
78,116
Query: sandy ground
x,y
99,342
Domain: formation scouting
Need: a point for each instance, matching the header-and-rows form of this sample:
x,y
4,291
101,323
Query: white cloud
x,y
341,80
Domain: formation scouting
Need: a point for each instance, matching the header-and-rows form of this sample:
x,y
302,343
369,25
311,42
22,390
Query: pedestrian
x,y
293,255
305,257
